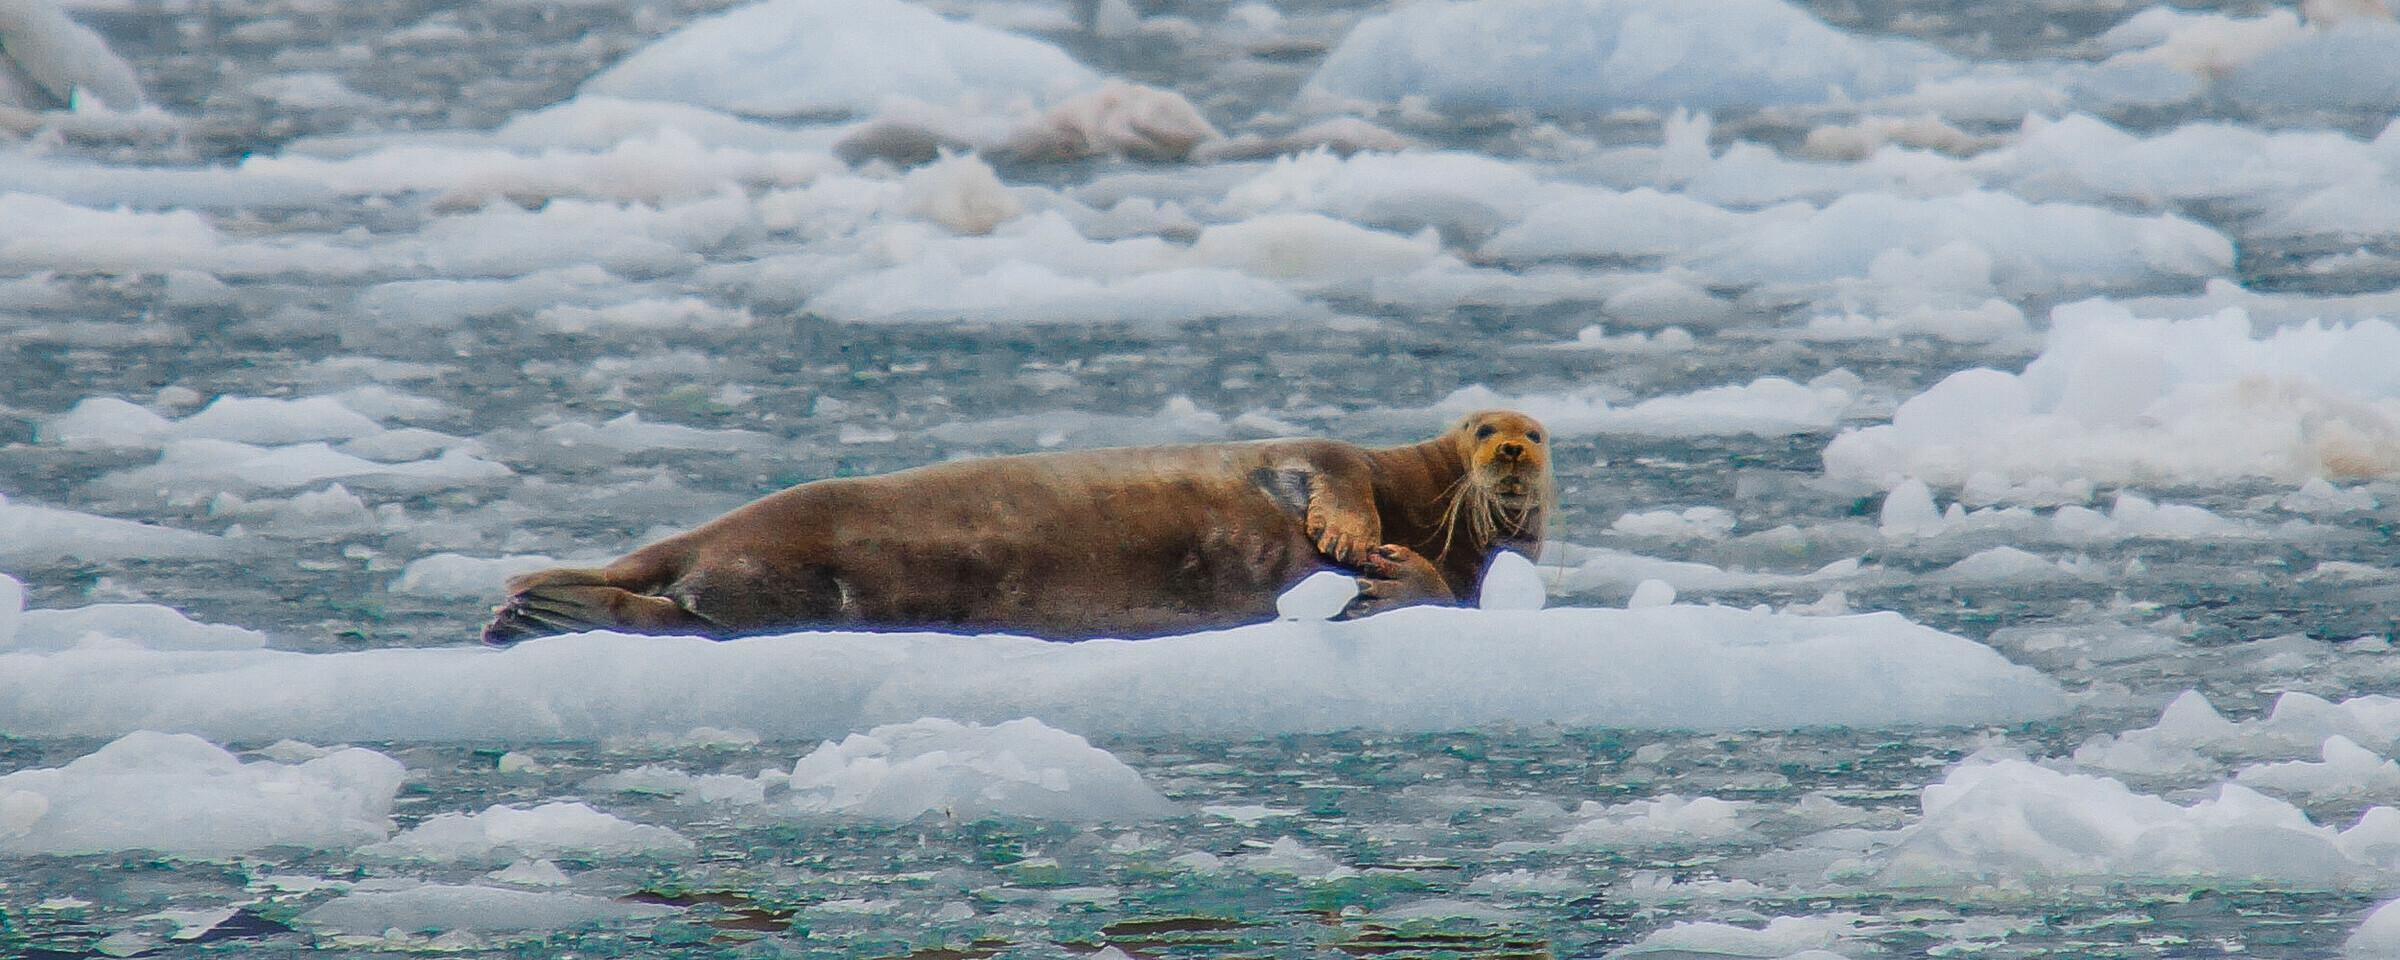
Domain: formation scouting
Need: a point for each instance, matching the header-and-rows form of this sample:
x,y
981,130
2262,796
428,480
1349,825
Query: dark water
x,y
1412,818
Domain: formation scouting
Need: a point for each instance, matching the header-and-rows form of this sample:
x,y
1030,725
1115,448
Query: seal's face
x,y
1508,458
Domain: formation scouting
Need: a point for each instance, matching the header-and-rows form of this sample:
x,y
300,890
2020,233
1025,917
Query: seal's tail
x,y
549,602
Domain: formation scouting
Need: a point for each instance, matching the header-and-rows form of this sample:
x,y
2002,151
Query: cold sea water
x,y
2049,328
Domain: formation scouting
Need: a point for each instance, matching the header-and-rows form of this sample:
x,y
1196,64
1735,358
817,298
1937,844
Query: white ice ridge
x,y
1599,55
1416,669
902,771
836,57
2116,399
179,794
2012,824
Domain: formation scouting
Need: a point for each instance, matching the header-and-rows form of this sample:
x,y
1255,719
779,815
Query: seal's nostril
x,y
1512,449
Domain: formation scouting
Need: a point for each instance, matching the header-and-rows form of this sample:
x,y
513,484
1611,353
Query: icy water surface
x,y
374,305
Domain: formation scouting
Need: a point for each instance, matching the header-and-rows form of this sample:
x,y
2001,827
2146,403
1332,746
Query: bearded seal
x,y
1128,542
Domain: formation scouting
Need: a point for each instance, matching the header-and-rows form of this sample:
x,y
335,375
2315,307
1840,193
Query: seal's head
x,y
1507,489
1508,459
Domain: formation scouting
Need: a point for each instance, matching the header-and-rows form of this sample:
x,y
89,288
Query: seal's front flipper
x,y
566,601
1341,517
1396,576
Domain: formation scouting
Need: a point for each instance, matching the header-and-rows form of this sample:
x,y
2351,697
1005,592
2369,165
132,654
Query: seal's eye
x,y
1533,435
1485,432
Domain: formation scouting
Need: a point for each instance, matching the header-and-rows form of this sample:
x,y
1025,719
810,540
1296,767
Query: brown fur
x,y
1131,542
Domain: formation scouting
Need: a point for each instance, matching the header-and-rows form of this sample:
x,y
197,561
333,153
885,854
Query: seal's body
x,y
1129,542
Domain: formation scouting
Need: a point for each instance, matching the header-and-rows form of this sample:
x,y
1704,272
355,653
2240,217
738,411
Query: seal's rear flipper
x,y
552,602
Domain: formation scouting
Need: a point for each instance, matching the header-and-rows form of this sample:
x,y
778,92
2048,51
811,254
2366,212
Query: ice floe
x,y
1428,668
179,794
2117,399
505,833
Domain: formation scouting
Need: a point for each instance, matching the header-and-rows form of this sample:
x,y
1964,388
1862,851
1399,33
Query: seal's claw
x,y
1396,576
1341,542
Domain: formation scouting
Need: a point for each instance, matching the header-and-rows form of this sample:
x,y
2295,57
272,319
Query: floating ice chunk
x,y
1596,337
1692,523
38,232
1666,820
589,122
271,421
312,90
679,313
1287,857
1340,136
629,434
1908,511
437,908
1021,768
1665,299
1247,814
1428,668
531,873
2377,937
2003,565
796,58
458,575
1511,582
1119,119
960,193
1178,420
690,788
1637,223
62,58
2167,748
2045,248
1320,597
1767,406
12,609
1447,908
1788,938
1601,55
2352,66
658,154
1834,603
179,794
2316,497
2203,44
1018,292
106,421
633,239
447,302
1586,568
2013,824
2080,646
48,534
2297,726
502,833
2120,400
1312,249
2083,158
1650,594
1564,883
146,626
408,443
1463,195
2348,771
202,467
